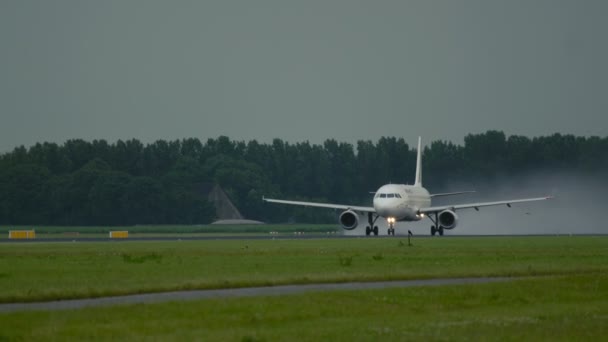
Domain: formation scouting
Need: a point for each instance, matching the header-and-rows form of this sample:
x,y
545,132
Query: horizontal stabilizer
x,y
452,193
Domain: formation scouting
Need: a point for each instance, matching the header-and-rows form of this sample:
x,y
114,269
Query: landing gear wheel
x,y
371,220
440,231
433,230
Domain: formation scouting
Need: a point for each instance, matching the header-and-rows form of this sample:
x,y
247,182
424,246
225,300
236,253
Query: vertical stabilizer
x,y
419,164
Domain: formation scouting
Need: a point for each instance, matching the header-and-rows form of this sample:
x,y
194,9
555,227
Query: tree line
x,y
128,182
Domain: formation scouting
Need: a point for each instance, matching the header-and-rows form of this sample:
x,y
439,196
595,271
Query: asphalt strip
x,y
237,292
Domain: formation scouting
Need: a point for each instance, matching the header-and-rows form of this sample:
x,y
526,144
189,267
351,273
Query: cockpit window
x,y
390,195
397,195
382,195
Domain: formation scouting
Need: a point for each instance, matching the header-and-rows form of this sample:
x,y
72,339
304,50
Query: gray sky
x,y
300,70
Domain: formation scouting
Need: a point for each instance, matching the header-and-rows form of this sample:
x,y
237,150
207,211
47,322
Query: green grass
x,y
563,308
46,271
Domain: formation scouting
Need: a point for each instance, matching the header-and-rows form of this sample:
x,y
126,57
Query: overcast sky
x,y
300,70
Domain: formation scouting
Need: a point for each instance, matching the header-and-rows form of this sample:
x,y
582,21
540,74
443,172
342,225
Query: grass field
x,y
46,271
561,308
565,299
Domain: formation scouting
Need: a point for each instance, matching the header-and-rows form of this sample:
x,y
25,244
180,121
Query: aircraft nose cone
x,y
382,208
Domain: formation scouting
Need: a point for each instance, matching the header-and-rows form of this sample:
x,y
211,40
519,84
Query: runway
x,y
235,293
174,237
263,237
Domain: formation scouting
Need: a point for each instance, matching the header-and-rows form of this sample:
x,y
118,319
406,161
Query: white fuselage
x,y
401,202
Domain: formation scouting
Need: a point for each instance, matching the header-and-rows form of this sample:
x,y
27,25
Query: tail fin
x,y
419,164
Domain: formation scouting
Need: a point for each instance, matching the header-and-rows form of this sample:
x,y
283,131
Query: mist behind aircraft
x,y
578,206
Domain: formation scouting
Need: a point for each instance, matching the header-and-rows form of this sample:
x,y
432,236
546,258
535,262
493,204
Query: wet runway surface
x,y
259,237
182,238
235,293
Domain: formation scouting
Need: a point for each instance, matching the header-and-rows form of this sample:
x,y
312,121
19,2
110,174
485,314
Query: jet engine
x,y
448,219
349,220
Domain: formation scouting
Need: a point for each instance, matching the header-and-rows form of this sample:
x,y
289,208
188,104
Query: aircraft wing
x,y
432,210
323,205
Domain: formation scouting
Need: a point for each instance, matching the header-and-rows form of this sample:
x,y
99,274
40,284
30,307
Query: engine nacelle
x,y
448,219
349,220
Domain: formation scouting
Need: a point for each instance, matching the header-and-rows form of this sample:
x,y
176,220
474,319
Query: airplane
x,y
403,203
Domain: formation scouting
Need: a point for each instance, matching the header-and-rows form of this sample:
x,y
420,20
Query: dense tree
x,y
443,161
105,196
127,182
25,192
484,154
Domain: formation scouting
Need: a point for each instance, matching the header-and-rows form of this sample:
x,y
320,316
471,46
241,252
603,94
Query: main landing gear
x,y
436,228
371,228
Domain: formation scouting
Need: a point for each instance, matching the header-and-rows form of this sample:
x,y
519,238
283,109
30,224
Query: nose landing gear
x,y
391,225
